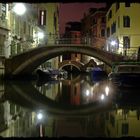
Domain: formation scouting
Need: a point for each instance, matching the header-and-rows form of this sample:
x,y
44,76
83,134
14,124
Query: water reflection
x,y
73,107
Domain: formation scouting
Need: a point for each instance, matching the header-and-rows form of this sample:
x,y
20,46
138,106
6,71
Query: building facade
x,y
122,123
93,30
73,36
98,28
123,34
49,22
20,29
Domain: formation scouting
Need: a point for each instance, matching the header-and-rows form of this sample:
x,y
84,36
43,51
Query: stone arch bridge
x,y
26,62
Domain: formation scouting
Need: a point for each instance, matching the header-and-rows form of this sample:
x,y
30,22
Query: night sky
x,y
74,12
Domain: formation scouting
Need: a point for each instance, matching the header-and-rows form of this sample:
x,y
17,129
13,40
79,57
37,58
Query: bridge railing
x,y
128,54
87,41
66,40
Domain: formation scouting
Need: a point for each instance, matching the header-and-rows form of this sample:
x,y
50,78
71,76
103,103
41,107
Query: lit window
x,y
42,17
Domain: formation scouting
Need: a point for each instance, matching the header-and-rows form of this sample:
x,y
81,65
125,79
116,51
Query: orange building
x,y
73,34
98,28
94,26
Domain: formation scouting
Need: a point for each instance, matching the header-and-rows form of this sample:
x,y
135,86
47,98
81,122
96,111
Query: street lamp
x,y
112,44
40,35
19,8
40,116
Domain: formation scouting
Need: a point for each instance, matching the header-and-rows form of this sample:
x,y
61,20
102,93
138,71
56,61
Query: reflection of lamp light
x,y
87,92
102,97
19,8
113,43
40,117
106,90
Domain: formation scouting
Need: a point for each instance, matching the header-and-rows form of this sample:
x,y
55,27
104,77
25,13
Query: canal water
x,y
75,107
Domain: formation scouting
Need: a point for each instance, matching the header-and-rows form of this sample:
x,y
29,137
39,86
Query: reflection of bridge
x,y
79,65
25,63
73,81
24,94
76,64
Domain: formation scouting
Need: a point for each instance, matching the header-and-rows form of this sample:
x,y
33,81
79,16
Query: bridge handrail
x,y
54,39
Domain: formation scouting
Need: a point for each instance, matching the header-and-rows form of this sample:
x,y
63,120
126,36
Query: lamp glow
x,y
40,35
87,92
102,97
39,116
19,8
113,43
106,90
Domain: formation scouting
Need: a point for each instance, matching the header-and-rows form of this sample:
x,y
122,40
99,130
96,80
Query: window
x,y
113,28
48,64
94,21
3,9
55,21
108,32
107,116
124,128
12,109
103,20
75,90
126,42
118,22
24,27
110,15
112,120
117,6
29,29
126,21
42,17
102,32
127,4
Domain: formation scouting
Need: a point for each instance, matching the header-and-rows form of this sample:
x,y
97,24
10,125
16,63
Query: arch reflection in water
x,y
88,117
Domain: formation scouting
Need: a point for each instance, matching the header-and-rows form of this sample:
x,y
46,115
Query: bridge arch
x,y
25,63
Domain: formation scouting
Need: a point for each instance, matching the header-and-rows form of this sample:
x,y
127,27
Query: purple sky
x,y
74,12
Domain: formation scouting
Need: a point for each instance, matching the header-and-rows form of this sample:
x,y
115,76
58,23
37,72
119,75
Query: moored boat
x,y
51,74
97,74
125,74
